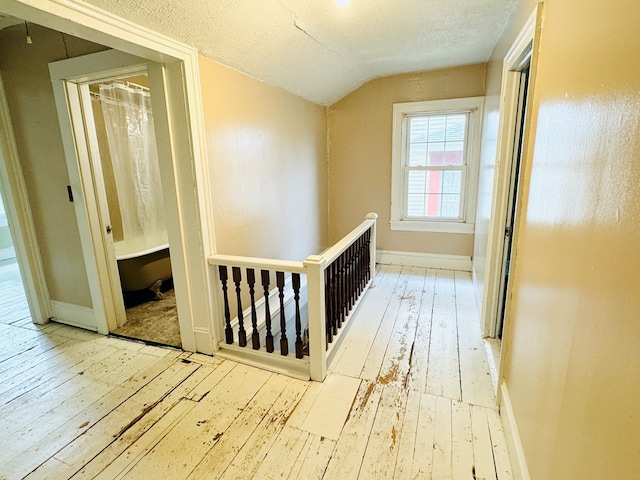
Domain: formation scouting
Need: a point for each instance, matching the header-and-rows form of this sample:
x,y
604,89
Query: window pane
x,y
437,128
417,154
435,154
450,206
453,153
455,128
416,205
417,182
452,181
418,129
416,189
434,193
434,187
435,141
441,135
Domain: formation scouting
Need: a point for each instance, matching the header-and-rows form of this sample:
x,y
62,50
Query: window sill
x,y
436,227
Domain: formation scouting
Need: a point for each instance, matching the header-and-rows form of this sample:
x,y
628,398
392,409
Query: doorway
x,y
518,74
125,163
14,308
191,234
106,101
512,202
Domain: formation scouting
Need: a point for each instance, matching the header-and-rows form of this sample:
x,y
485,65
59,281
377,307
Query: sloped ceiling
x,y
319,51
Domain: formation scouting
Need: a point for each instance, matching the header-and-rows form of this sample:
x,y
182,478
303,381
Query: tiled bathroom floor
x,y
155,321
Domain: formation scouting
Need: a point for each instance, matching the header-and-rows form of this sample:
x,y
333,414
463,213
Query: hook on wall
x,y
26,27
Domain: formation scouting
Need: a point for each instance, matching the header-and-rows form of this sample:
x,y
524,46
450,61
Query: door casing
x,y
191,232
71,79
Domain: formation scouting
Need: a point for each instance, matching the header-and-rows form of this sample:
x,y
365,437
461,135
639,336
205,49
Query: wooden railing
x,y
288,316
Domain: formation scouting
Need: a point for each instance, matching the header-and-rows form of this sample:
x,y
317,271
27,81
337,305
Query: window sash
x,y
423,148
461,217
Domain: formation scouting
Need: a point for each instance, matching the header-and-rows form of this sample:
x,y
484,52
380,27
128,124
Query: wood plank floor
x,y
409,395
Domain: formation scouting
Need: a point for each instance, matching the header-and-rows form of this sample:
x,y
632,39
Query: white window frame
x,y
401,113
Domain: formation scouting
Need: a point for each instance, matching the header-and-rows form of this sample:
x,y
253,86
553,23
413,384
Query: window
x,y
435,165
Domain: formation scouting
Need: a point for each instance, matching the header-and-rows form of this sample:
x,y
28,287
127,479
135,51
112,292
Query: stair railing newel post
x,y
314,266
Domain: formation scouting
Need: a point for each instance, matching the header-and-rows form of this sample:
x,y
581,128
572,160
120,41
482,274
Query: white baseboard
x,y
74,315
512,435
476,292
273,362
429,260
203,341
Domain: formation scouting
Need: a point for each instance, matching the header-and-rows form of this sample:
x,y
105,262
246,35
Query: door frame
x,y
522,52
21,226
191,232
70,80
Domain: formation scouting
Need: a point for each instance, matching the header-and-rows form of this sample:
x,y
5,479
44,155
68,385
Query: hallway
x,y
408,396
14,309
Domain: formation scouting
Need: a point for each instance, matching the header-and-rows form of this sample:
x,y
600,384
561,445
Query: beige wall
x,y
573,331
359,137
25,73
267,154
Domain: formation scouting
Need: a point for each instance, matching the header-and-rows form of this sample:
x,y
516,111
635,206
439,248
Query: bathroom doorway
x,y
112,119
135,214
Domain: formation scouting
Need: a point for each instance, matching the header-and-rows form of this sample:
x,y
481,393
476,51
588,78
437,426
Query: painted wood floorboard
x,y
408,396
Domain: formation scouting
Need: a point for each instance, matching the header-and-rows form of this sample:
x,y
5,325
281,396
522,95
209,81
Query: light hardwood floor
x,y
408,396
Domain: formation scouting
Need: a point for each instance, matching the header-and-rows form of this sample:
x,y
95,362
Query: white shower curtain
x,y
132,143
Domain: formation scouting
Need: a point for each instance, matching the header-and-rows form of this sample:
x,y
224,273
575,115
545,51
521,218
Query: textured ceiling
x,y
319,51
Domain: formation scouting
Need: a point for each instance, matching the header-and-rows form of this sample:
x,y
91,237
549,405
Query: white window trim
x,y
400,110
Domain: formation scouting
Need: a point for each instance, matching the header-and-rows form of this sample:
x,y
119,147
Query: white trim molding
x,y
18,210
512,436
74,315
191,229
428,260
472,108
524,49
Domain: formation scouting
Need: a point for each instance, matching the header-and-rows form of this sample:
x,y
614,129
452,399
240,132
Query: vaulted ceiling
x,y
322,52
